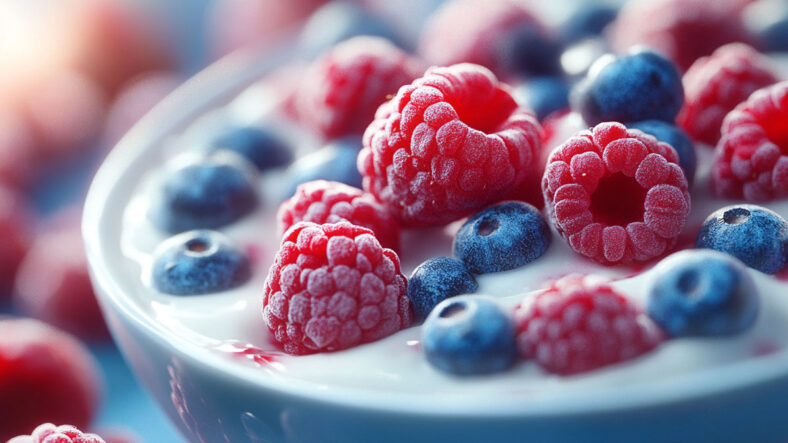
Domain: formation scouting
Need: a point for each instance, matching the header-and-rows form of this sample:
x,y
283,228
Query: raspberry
x,y
44,375
342,89
682,30
714,85
332,287
616,195
448,144
332,202
501,35
580,323
751,160
62,295
14,222
49,433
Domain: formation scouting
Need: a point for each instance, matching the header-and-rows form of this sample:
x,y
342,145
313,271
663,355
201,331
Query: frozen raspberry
x,y
49,433
448,144
14,222
53,283
341,90
45,375
616,195
751,160
501,35
682,30
332,287
580,323
332,202
714,85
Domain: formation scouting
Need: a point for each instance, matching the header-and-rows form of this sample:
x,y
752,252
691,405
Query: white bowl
x,y
216,400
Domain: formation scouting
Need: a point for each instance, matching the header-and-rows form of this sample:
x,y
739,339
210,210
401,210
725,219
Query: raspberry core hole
x,y
453,310
618,200
488,114
487,226
736,216
777,131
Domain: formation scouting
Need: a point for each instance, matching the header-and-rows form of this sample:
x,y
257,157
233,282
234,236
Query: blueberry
x,y
769,24
544,95
638,86
469,335
589,20
676,137
529,51
754,235
502,237
436,280
702,293
198,262
340,20
260,145
334,162
204,192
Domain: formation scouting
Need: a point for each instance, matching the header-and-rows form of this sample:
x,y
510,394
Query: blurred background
x,y
75,75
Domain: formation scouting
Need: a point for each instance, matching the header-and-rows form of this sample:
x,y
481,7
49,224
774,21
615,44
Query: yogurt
x,y
230,323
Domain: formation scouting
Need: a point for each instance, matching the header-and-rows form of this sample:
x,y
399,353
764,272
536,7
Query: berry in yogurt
x,y
755,235
702,293
198,262
436,280
203,192
261,145
469,336
502,237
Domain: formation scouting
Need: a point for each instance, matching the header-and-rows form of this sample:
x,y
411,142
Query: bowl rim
x,y
230,75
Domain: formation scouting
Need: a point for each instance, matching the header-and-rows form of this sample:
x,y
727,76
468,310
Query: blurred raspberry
x,y
19,163
501,35
53,284
112,41
236,24
751,159
714,85
136,98
14,223
682,30
342,90
45,376
66,113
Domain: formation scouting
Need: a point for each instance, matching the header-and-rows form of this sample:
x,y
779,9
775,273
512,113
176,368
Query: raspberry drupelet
x,y
616,195
714,85
342,90
323,201
751,158
49,433
332,287
581,323
448,144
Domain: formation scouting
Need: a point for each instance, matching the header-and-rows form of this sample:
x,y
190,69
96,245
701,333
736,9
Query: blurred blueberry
x,y
468,336
203,192
502,237
588,20
436,280
702,293
676,137
334,162
578,57
544,95
260,145
642,85
198,262
339,20
755,235
768,20
531,52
